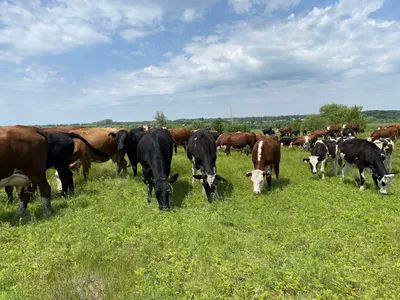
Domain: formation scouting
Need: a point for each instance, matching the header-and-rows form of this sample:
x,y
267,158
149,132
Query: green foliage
x,y
313,122
234,127
295,124
218,125
160,119
305,239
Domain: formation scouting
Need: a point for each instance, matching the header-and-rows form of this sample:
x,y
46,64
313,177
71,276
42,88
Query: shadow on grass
x,y
181,190
283,183
225,189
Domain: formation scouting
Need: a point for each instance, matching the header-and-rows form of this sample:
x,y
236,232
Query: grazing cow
x,y
323,151
266,154
320,133
268,131
365,155
285,130
237,140
304,132
154,152
99,138
180,136
355,127
386,132
294,133
387,147
305,141
23,155
127,142
333,130
201,151
286,141
61,128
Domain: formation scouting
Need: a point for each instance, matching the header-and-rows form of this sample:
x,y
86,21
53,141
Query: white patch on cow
x,y
329,127
259,150
314,163
385,183
344,126
17,179
210,179
195,138
257,176
59,184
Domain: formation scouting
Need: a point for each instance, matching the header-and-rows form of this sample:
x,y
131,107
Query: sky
x,y
79,61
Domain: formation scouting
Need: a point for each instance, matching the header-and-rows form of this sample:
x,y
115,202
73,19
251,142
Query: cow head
x,y
313,162
210,184
162,188
257,176
384,182
121,137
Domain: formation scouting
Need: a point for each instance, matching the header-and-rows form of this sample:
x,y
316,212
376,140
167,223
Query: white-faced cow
x,y
323,151
202,152
366,156
266,155
23,155
154,152
387,147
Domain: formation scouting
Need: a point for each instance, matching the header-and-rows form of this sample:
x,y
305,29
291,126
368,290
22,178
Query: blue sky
x,y
68,61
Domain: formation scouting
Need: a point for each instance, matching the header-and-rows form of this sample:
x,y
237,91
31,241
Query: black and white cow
x,y
286,141
202,152
127,141
348,131
268,131
387,147
366,156
154,152
294,132
323,151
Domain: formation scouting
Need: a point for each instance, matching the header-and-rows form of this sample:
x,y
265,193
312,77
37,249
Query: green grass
x,y
307,239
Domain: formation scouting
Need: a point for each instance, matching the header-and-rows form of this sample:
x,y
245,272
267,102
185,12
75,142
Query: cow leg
x,y
228,149
335,164
362,179
389,162
59,183
322,169
276,168
67,182
184,146
85,169
269,182
193,170
176,148
9,191
375,178
124,166
344,169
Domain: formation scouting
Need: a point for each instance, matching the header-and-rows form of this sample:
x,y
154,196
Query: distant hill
x,y
375,116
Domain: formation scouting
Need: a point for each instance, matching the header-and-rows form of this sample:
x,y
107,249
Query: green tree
x,y
218,125
295,124
160,119
313,122
334,113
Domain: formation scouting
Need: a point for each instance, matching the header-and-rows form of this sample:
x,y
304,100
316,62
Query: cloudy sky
x,y
66,61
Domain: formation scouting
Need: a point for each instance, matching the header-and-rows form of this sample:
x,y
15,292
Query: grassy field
x,y
306,239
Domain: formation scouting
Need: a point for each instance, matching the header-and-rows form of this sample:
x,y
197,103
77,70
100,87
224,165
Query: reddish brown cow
x,y
285,130
355,127
320,133
23,155
258,136
180,136
61,128
99,138
333,129
266,154
388,132
305,141
237,140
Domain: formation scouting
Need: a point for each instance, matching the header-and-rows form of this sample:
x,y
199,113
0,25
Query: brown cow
x,y
258,136
305,141
61,128
388,132
23,155
320,133
285,130
237,140
266,154
99,138
180,136
333,130
355,127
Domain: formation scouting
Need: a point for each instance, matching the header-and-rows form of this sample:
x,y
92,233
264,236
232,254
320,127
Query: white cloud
x,y
137,53
244,6
189,15
168,54
39,75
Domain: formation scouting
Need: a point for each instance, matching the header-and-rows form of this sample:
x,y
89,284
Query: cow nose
x,y
314,172
164,207
256,193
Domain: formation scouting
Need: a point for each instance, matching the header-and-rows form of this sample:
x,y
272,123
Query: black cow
x,y
294,132
154,152
268,131
286,141
127,141
202,152
323,151
348,131
365,155
60,149
304,132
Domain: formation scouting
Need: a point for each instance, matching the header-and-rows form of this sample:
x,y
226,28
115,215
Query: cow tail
x,y
94,150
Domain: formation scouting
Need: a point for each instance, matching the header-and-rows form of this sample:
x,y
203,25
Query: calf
x,y
365,155
323,151
268,131
266,155
23,155
202,153
154,152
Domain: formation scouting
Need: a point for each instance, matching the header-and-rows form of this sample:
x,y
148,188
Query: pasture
x,y
307,238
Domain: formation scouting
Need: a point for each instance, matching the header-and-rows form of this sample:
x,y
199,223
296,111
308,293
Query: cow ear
x,y
199,176
220,178
306,160
112,135
247,174
173,178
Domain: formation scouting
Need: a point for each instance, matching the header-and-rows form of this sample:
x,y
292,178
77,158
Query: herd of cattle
x,y
27,152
